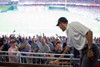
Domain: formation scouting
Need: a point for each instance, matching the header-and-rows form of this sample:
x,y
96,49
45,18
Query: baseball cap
x,y
12,41
62,19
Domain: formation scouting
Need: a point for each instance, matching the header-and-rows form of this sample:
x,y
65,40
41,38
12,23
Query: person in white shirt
x,y
79,37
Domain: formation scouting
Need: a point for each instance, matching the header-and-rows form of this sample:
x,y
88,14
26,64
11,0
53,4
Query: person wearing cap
x,y
13,48
79,37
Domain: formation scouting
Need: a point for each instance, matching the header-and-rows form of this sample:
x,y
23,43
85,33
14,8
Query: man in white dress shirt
x,y
79,37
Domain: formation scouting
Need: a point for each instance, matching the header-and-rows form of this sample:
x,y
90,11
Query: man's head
x,y
62,23
59,47
23,39
47,40
28,47
42,41
33,41
4,41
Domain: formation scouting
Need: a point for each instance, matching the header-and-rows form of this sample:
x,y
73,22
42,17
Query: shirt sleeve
x,y
80,28
48,49
36,46
51,45
68,42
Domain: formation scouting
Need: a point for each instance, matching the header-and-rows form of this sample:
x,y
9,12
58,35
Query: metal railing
x,y
35,58
38,58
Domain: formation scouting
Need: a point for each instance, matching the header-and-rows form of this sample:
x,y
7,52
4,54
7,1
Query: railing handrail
x,y
35,53
40,56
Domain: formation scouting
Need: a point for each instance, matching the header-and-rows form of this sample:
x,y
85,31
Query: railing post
x,y
71,58
20,56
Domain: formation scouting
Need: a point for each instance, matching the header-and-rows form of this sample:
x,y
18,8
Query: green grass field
x,y
38,22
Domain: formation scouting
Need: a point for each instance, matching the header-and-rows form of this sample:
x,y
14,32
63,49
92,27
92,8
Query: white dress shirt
x,y
76,34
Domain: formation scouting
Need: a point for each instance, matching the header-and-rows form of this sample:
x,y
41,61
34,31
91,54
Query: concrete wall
x,y
3,64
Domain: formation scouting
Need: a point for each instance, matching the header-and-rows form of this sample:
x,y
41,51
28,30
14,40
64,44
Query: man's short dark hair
x,y
62,19
58,42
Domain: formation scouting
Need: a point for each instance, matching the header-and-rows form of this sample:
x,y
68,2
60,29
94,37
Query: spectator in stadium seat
x,y
1,47
98,44
80,37
30,40
28,48
98,65
37,40
28,60
49,44
6,45
34,46
53,41
13,48
23,45
59,50
94,40
64,42
23,48
45,48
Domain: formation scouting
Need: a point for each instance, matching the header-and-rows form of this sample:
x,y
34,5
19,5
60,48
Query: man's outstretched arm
x,y
67,48
89,38
65,51
90,51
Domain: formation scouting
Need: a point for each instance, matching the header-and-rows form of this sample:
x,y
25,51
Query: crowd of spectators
x,y
97,42
69,1
37,44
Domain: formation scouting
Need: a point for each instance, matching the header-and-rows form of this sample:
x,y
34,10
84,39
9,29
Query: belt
x,y
86,47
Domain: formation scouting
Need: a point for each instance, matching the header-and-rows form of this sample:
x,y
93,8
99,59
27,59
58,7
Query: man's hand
x,y
90,54
54,62
1,47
